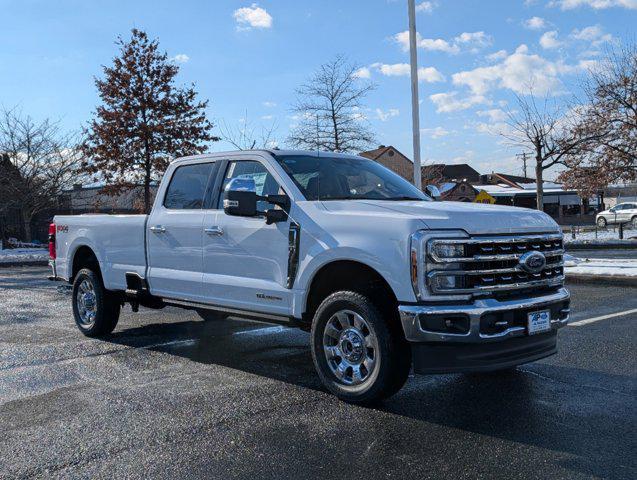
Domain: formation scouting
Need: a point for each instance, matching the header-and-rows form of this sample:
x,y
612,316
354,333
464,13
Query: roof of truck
x,y
273,152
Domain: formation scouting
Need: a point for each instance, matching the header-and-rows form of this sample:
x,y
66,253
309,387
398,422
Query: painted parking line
x,y
586,321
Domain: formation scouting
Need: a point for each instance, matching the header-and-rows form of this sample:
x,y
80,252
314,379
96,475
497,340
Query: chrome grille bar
x,y
501,270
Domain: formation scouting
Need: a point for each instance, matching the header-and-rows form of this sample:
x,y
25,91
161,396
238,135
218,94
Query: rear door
x,y
174,233
631,211
245,260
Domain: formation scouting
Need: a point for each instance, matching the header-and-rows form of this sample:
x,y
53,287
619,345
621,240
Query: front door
x,y
245,260
175,232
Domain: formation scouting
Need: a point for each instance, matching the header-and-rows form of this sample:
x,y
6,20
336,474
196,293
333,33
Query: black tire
x,y
392,363
601,222
106,305
633,222
211,315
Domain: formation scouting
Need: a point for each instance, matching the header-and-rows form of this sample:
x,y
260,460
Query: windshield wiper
x,y
406,197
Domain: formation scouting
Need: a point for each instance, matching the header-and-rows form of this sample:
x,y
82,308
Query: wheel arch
x,y
337,275
84,257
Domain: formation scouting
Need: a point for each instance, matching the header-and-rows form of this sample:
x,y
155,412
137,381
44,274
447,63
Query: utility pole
x,y
415,107
523,156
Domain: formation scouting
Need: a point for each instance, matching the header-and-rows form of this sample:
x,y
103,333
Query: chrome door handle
x,y
158,229
218,231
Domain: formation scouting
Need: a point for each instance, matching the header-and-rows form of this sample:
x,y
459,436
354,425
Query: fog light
x,y
448,250
446,282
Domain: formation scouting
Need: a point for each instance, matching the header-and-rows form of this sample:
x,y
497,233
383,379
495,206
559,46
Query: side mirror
x,y
432,191
240,198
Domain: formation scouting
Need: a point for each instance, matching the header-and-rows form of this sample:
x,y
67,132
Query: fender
x,y
390,269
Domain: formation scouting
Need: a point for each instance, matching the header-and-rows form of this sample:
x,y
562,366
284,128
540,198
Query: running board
x,y
267,317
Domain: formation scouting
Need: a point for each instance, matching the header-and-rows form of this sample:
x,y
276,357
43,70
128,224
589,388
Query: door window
x,y
263,179
188,186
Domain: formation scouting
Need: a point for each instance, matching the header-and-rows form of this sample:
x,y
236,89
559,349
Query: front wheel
x,y
359,357
601,222
96,310
633,222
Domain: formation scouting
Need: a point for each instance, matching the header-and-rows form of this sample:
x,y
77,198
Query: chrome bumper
x,y
411,315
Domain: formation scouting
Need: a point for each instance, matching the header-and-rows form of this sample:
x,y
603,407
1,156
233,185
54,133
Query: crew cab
x,y
384,277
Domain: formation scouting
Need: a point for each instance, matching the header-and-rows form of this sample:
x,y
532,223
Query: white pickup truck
x,y
382,275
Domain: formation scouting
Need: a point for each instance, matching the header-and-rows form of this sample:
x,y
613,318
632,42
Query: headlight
x,y
436,251
448,250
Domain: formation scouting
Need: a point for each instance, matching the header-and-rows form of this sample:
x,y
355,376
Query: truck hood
x,y
474,218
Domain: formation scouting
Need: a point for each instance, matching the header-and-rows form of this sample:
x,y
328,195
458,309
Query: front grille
x,y
493,265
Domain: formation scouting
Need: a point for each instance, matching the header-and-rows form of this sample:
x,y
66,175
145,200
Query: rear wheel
x,y
96,310
357,354
601,222
633,222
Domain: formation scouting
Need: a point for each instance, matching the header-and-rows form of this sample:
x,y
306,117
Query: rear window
x,y
188,187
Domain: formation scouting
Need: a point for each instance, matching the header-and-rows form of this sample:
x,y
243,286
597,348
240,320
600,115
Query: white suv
x,y
620,213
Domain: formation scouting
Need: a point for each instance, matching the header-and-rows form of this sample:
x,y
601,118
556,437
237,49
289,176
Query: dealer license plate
x,y
539,321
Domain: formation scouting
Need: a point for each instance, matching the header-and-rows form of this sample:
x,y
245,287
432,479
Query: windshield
x,y
347,178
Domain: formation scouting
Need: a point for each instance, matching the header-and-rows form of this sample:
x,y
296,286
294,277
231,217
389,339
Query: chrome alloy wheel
x,y
350,346
86,303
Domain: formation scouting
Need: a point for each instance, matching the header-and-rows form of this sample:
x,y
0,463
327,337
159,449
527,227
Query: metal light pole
x,y
415,107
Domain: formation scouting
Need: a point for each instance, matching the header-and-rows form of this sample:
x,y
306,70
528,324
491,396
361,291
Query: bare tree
x,y
329,110
547,131
40,161
245,136
609,122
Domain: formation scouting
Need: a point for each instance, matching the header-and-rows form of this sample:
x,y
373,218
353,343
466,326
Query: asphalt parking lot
x,y
171,396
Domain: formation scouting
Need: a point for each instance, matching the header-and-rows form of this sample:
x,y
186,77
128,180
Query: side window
x,y
264,181
188,186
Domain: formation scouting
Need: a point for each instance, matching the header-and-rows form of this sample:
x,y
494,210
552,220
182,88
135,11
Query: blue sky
x,y
246,56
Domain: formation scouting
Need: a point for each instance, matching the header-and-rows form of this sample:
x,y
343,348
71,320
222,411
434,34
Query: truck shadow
x,y
581,413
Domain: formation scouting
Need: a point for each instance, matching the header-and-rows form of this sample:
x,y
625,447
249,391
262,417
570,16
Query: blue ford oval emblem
x,y
533,262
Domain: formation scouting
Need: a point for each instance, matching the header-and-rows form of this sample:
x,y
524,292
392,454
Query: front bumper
x,y
491,333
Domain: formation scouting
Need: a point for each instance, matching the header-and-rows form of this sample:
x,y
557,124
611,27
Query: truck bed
x,y
118,241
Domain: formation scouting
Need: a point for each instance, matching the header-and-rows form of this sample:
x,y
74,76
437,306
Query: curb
x,y
579,279
34,263
600,246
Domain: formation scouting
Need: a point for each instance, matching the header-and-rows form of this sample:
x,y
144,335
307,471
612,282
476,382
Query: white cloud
x,y
430,75
252,17
437,44
426,7
594,4
449,102
495,56
437,132
535,23
494,114
383,116
425,74
466,157
362,72
593,34
472,41
267,117
392,70
549,40
180,58
269,104
519,72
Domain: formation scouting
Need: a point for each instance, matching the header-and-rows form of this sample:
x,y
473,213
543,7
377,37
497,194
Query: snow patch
x,y
26,255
